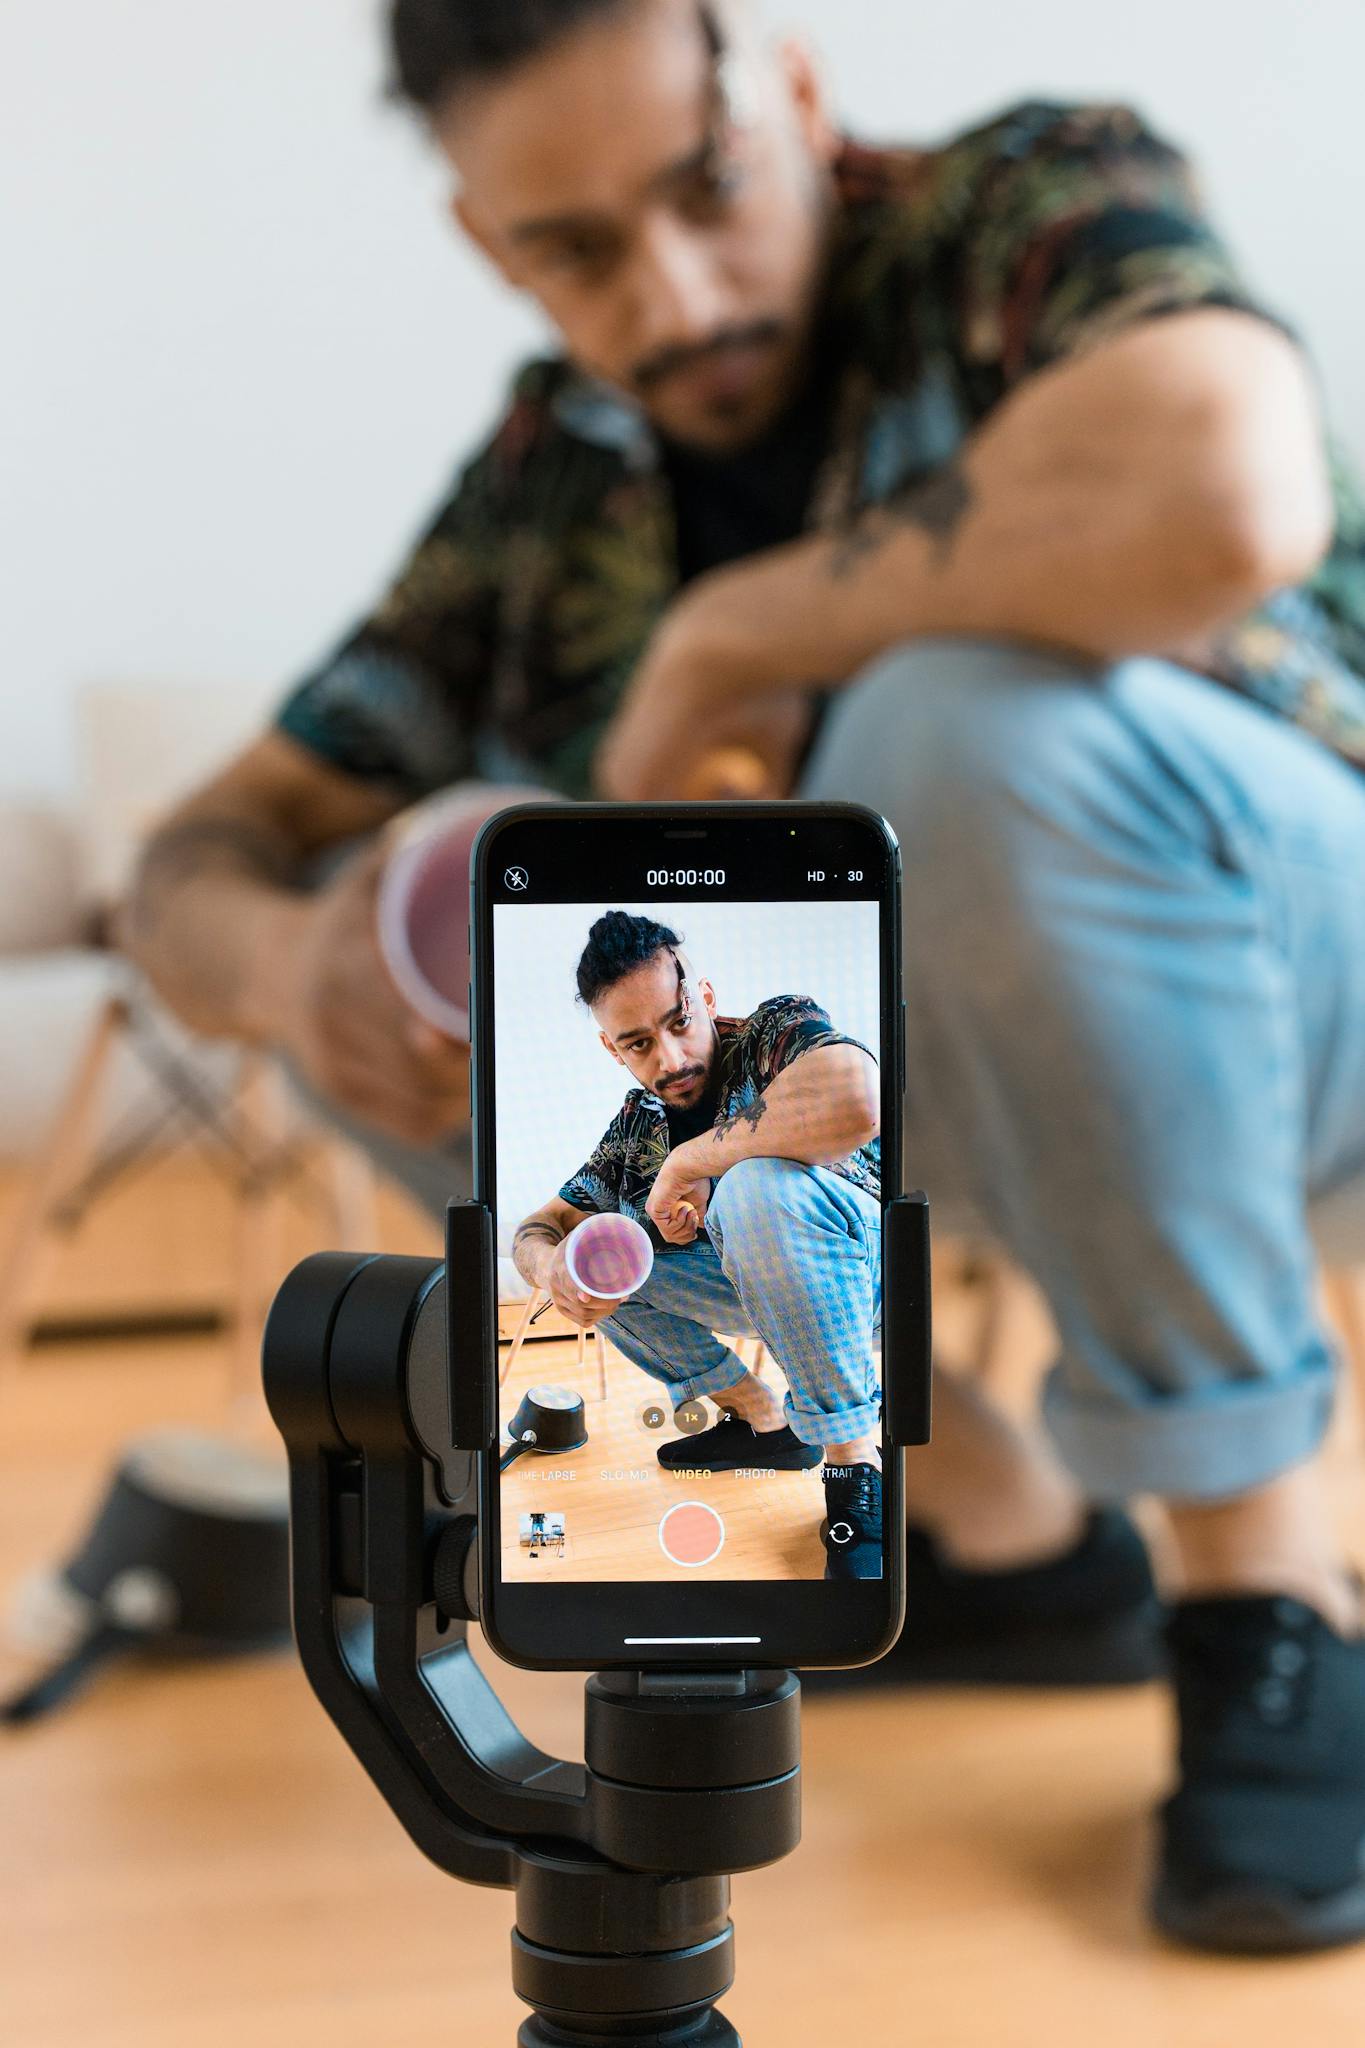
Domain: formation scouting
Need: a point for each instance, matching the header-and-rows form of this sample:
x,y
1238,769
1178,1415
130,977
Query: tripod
x,y
380,1374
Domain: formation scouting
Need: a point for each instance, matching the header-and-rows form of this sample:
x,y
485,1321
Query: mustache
x,y
666,362
672,1080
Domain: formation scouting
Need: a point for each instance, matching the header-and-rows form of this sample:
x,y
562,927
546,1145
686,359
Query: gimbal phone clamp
x,y
381,1375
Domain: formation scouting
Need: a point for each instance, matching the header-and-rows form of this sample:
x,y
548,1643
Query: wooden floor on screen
x,y
614,1495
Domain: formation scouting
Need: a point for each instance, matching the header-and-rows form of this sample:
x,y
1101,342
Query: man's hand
x,y
692,713
581,1309
679,1197
335,1010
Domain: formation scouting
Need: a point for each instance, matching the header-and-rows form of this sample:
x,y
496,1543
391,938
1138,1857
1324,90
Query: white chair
x,y
535,1300
140,750
522,1303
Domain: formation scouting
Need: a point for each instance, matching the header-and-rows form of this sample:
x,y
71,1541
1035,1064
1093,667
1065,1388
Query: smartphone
x,y
687,1080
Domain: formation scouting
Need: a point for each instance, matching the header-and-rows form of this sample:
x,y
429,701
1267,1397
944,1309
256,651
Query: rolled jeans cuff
x,y
712,1379
838,1426
1192,1446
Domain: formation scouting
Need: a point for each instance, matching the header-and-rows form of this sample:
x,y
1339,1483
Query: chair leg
x,y
519,1336
258,1110
36,1241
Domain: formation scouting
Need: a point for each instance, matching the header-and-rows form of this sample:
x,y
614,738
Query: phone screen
x,y
693,1044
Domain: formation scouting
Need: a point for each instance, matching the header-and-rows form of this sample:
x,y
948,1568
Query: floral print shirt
x,y
752,1052
956,272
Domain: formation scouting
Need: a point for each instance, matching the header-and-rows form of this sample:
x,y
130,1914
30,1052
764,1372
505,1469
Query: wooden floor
x,y
192,1859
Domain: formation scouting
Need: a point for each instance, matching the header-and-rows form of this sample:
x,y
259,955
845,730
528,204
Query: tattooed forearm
x,y
546,1232
536,1231
201,920
753,1116
200,846
937,507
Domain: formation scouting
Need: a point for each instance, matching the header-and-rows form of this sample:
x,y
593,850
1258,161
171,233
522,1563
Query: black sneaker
x,y
1091,1617
1263,1843
732,1443
853,1522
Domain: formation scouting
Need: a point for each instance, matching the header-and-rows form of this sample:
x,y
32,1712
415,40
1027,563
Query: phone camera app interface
x,y
688,1196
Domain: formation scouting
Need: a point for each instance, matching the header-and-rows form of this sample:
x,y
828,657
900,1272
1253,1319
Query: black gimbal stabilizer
x,y
381,1375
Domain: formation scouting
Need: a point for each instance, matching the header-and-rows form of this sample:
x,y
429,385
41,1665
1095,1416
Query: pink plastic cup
x,y
609,1256
423,904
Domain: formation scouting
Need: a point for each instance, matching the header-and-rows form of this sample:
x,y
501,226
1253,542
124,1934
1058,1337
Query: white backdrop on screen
x,y
242,349
557,1086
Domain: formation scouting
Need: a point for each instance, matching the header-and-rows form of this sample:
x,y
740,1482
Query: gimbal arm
x,y
383,1523
383,1409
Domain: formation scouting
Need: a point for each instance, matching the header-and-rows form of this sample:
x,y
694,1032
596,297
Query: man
x,y
749,1148
969,482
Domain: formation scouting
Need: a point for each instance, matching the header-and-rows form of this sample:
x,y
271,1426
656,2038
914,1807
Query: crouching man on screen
x,y
750,1150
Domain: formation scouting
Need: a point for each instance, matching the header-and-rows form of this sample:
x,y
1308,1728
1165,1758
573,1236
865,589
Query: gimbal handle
x,y
384,1395
382,1536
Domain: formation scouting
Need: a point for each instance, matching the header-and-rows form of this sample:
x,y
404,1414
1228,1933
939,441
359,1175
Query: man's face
x,y
658,1023
678,252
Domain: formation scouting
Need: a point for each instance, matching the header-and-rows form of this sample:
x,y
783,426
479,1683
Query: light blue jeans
x,y
795,1257
1135,976
1135,982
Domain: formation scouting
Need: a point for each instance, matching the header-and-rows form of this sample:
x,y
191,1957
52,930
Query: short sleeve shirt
x,y
956,272
752,1052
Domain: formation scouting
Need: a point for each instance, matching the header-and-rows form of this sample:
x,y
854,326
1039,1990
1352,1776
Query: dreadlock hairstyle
x,y
617,944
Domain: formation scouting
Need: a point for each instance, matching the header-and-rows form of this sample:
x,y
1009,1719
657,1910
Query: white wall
x,y
240,349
